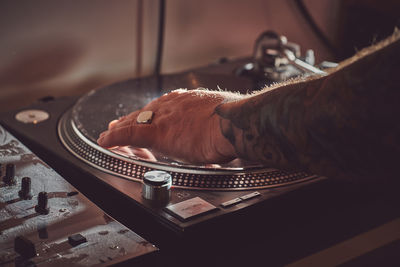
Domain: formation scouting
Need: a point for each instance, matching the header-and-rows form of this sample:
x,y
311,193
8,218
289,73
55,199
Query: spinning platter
x,y
79,129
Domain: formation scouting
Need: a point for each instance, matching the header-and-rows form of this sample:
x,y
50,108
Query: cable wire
x,y
318,32
160,37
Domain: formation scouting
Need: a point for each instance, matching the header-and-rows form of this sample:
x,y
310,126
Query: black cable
x,y
160,37
307,16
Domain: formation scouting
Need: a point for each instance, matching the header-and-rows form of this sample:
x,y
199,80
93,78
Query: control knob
x,y
41,207
25,192
157,187
9,178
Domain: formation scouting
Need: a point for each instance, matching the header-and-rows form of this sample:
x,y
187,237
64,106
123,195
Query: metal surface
x,y
301,64
157,187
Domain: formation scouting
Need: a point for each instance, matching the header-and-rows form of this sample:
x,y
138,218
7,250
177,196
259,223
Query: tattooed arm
x,y
341,124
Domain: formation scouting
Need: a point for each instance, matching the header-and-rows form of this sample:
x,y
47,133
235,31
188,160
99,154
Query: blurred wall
x,y
200,32
69,47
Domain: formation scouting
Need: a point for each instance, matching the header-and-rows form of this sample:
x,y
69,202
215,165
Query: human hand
x,y
134,152
184,127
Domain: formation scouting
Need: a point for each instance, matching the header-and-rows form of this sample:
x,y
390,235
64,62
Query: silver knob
x,y
157,187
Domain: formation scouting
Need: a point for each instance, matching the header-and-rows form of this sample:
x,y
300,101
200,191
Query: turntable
x,y
225,187
80,127
205,203
199,202
215,209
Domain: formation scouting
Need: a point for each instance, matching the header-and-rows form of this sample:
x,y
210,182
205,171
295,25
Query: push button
x,y
76,240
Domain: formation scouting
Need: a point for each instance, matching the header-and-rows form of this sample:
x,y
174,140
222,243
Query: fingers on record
x,y
128,135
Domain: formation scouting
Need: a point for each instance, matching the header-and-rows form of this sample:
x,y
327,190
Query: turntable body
x,y
254,210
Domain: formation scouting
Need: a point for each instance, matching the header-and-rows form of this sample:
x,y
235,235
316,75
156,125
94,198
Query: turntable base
x,y
275,225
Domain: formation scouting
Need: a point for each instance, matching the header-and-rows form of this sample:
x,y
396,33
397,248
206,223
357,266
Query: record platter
x,y
79,128
81,125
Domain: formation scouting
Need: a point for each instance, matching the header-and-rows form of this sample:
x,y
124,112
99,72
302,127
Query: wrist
x,y
229,141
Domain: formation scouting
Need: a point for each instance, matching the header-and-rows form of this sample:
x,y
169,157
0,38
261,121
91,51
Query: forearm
x,y
345,122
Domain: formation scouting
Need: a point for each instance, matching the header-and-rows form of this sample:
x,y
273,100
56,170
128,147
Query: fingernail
x,y
100,140
112,123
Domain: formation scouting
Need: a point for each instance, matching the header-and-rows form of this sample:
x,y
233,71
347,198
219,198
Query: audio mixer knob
x,y
25,192
41,207
10,174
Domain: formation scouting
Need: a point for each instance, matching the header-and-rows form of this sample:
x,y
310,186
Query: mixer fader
x,y
46,221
